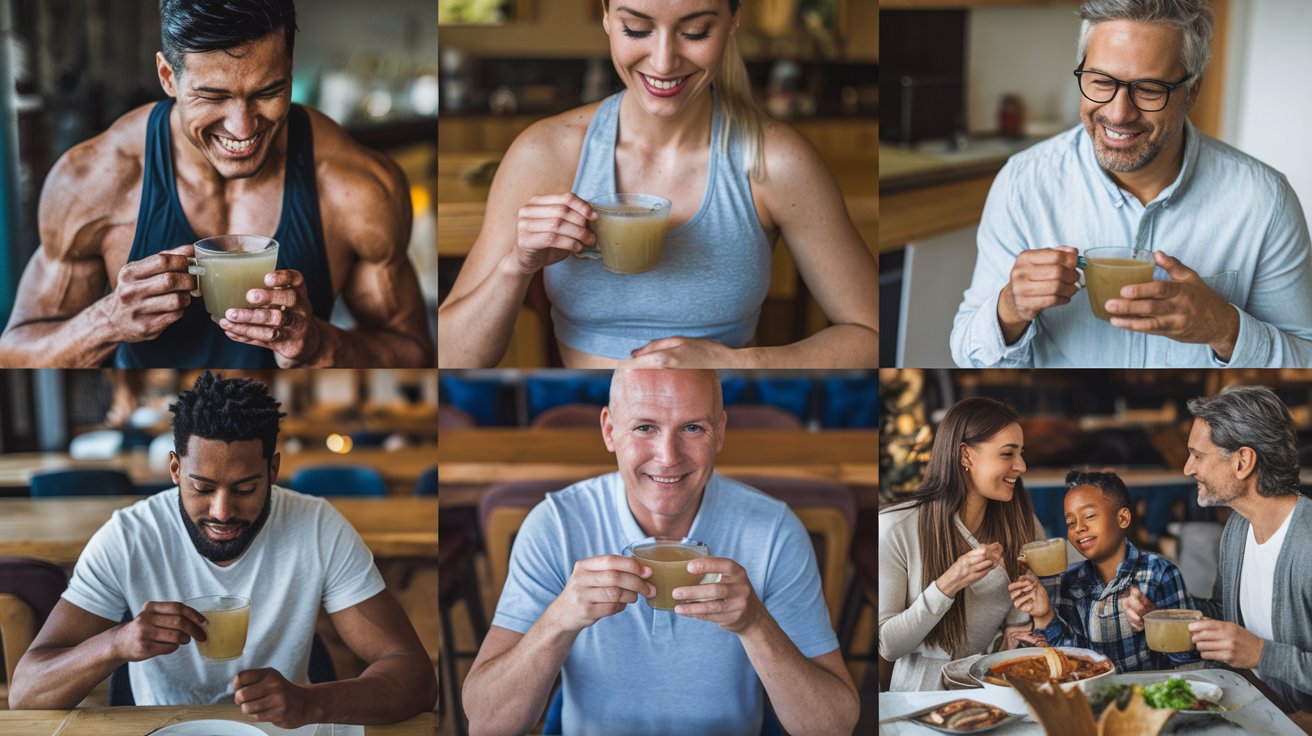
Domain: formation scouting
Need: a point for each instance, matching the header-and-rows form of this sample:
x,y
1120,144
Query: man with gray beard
x,y
1243,453
1233,275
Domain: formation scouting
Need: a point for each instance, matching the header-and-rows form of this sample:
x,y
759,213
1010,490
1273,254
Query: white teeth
x,y
658,84
1117,136
236,146
670,479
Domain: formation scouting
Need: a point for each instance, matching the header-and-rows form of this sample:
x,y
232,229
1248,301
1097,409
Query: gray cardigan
x,y
1286,664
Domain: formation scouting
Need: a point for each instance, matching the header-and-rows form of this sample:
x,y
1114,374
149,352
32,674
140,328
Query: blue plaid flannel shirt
x,y
1073,603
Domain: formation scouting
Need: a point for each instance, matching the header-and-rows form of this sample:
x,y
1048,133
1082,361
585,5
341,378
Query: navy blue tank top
x,y
196,341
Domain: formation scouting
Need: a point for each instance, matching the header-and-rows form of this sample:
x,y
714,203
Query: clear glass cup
x,y
227,617
1106,270
1167,629
630,231
229,266
1047,557
668,558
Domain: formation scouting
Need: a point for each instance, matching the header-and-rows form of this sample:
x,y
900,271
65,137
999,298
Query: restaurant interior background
x,y
69,68
1132,421
986,79
509,436
365,439
813,63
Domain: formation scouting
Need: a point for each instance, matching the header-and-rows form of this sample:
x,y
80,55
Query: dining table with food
x,y
980,696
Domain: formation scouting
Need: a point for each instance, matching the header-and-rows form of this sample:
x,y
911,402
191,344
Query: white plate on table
x,y
208,727
956,674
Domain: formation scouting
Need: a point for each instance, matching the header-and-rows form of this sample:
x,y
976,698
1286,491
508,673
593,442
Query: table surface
x,y
135,721
57,529
471,456
401,468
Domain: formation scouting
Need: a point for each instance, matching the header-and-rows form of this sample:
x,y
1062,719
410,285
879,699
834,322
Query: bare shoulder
x,y
788,154
363,194
94,185
549,148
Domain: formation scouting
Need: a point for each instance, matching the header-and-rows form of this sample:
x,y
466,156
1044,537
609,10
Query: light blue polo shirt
x,y
644,671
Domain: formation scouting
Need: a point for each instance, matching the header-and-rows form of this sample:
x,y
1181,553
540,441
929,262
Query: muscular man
x,y
570,605
227,529
227,152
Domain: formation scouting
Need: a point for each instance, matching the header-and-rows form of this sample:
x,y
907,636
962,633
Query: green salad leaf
x,y
1174,693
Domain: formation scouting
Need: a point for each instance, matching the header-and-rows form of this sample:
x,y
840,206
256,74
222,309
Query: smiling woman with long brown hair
x,y
947,555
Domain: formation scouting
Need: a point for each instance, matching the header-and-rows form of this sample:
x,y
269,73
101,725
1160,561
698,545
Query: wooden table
x,y
400,468
135,721
474,457
57,529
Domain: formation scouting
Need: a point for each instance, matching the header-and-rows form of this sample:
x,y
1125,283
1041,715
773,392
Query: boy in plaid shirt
x,y
1082,607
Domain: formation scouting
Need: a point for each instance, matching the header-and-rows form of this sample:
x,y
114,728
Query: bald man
x,y
571,605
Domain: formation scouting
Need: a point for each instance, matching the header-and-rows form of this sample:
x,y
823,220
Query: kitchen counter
x,y
932,190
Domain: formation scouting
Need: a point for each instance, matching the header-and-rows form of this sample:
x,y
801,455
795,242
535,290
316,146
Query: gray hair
x,y
1193,18
1254,417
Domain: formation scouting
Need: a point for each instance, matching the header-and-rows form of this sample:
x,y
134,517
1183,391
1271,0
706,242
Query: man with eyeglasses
x,y
1233,281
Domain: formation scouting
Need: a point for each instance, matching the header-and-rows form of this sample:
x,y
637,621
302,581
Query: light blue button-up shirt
x,y
1229,217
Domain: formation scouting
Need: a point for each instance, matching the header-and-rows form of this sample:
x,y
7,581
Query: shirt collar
x,y
1124,572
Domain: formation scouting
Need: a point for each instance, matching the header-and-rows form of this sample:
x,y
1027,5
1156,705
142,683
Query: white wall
x,y
1267,92
1027,51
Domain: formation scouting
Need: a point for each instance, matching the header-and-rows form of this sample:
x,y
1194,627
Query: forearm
x,y
51,678
807,698
391,689
474,330
837,346
901,633
362,348
1012,324
507,694
84,340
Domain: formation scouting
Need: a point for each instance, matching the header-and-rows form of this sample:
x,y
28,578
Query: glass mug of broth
x,y
630,231
1047,557
1106,270
1167,629
668,558
229,266
227,618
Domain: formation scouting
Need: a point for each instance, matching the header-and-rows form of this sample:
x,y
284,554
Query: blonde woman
x,y
684,128
947,555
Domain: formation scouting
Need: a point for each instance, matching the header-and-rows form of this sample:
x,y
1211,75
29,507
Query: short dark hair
x,y
197,26
1111,485
229,410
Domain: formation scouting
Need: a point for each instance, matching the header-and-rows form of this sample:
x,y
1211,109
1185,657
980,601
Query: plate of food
x,y
1186,695
962,716
1066,667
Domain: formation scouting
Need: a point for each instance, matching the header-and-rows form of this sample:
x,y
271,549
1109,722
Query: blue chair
x,y
1049,506
427,483
83,482
339,480
850,403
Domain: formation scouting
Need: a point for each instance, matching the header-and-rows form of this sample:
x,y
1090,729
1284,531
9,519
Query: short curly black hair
x,y
228,410
1111,485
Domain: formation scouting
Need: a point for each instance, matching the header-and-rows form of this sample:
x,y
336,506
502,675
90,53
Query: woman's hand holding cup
x,y
551,227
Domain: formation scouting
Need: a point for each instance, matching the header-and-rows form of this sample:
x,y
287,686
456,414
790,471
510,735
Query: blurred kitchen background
x,y
69,68
508,63
966,83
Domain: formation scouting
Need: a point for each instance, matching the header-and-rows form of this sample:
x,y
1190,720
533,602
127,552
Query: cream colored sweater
x,y
907,613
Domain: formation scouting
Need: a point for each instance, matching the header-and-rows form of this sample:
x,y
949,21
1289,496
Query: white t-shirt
x,y
306,555
1256,579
